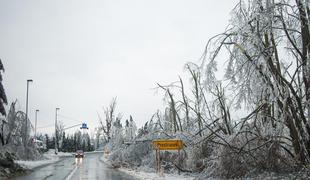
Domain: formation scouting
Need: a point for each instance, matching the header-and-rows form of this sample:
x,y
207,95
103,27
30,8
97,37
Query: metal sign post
x,y
167,145
179,161
157,161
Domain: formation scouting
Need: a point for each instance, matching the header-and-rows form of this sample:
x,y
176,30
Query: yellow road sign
x,y
168,144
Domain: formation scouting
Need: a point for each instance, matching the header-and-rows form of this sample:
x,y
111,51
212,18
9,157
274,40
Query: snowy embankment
x,y
48,158
154,176
139,174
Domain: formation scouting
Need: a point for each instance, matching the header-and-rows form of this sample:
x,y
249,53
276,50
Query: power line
x,y
50,125
72,126
64,117
69,118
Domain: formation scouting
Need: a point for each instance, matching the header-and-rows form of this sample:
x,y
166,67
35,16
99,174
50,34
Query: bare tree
x,y
221,104
197,92
106,124
185,103
173,114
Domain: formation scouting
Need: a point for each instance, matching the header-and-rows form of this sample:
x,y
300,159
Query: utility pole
x,y
56,150
35,125
26,128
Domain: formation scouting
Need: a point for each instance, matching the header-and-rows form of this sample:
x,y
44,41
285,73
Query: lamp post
x,y
26,128
35,125
56,131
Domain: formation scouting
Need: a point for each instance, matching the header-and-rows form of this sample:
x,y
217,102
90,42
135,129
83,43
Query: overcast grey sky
x,y
81,53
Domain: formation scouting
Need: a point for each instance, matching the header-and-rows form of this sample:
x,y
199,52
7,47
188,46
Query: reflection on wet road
x,y
88,168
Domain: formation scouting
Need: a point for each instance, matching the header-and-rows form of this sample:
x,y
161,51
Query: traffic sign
x,y
170,144
84,126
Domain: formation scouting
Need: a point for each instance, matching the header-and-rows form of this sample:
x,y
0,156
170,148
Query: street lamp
x,y
26,128
56,130
35,125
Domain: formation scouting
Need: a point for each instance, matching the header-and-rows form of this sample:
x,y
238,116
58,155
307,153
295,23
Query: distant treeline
x,y
68,143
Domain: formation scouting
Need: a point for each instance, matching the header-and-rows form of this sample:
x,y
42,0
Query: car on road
x,y
79,154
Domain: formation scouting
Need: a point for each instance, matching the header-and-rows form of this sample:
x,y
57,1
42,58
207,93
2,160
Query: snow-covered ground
x,y
148,175
154,176
48,158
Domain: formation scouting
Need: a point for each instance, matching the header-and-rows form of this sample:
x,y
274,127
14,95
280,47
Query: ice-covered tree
x,y
130,129
60,134
3,99
117,134
12,128
77,140
268,69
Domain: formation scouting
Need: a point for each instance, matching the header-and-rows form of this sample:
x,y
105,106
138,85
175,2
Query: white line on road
x,y
71,173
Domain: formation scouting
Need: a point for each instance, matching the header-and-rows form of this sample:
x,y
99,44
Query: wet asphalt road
x,y
87,168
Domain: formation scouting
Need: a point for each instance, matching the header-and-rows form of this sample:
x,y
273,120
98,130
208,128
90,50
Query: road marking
x,y
48,176
71,173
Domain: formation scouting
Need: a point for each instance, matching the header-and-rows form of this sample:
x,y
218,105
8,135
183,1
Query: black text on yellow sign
x,y
168,144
